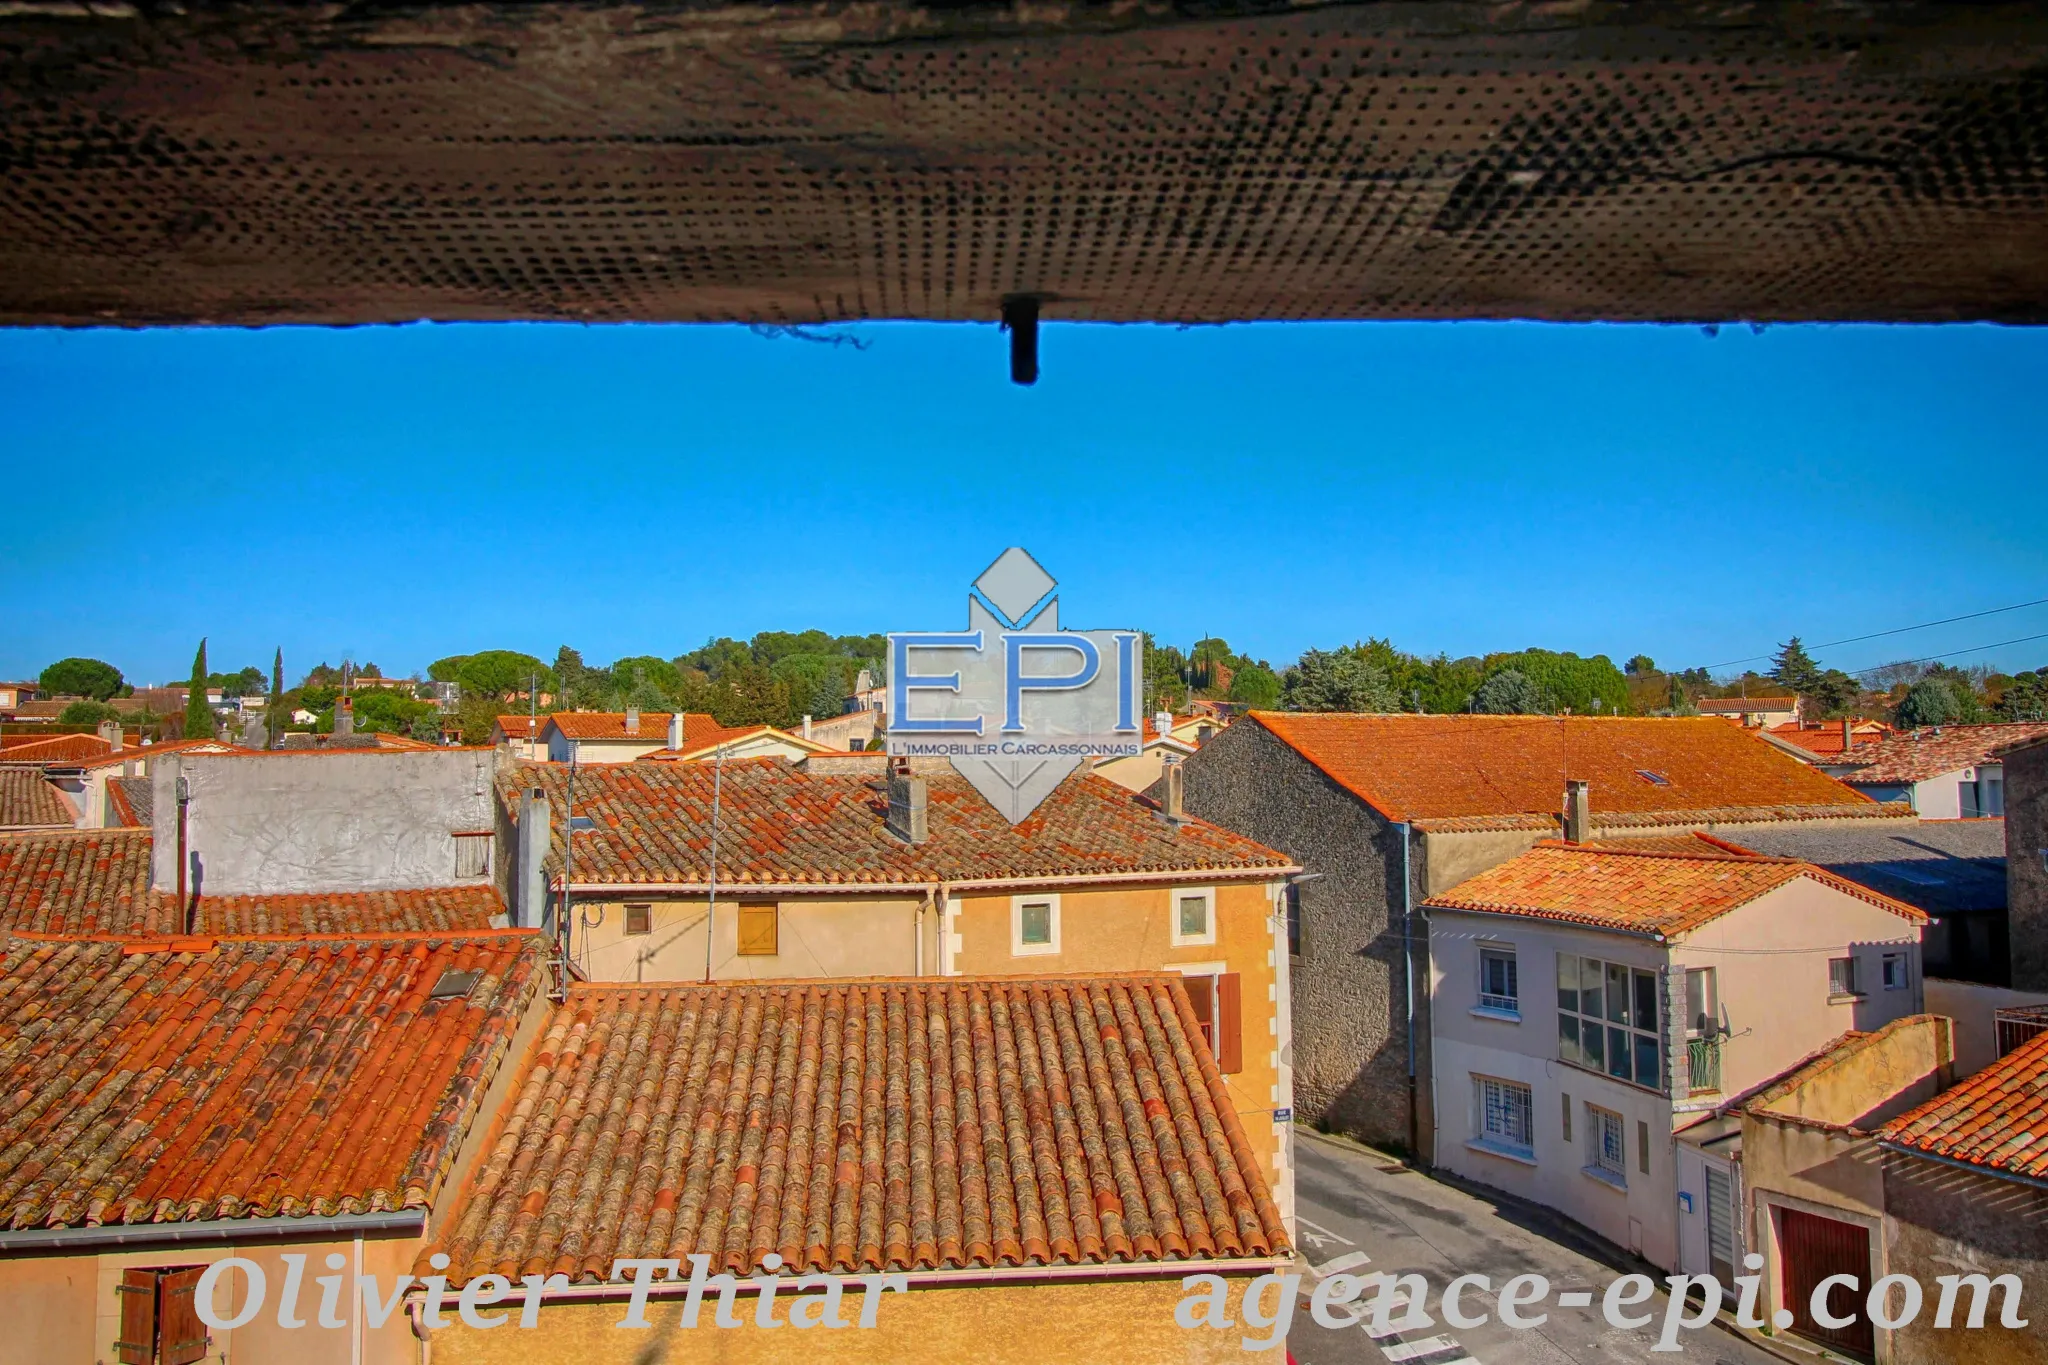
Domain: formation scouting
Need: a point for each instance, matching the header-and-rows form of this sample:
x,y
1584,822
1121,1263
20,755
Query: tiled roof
x,y
1825,737
87,881
524,727
877,1124
63,749
28,800
238,1078
1640,892
1669,771
1996,1120
1735,706
780,825
698,730
83,882
1692,843
1938,865
142,753
132,799
1916,755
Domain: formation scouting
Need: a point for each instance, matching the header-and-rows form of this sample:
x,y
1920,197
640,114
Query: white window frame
x,y
1599,1123
1902,978
1018,947
1844,987
1503,1143
1207,894
1486,1005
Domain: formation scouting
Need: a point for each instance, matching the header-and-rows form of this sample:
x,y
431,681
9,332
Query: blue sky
x,y
396,494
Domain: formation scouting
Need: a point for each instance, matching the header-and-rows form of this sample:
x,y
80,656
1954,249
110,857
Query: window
x,y
760,929
1609,1020
1841,976
1219,1013
1895,972
1194,917
639,919
1966,798
473,854
1497,985
1293,908
159,1317
1655,779
1606,1145
1034,925
1503,1109
1992,791
1702,1003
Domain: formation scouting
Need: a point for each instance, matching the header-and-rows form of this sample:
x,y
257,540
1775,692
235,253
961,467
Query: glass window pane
x,y
1194,916
1617,994
1617,1053
1568,1037
1593,1043
1646,1001
1567,982
1696,999
1647,1071
1036,923
1590,991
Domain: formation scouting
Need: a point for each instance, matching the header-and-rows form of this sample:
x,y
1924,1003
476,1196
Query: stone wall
x,y
2026,864
1944,1220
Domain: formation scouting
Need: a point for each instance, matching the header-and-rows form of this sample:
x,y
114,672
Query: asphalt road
x,y
1360,1213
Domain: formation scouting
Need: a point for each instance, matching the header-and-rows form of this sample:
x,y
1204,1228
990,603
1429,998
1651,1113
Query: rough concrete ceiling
x,y
1127,161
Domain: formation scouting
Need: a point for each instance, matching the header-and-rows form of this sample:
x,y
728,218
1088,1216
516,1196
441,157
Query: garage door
x,y
1816,1248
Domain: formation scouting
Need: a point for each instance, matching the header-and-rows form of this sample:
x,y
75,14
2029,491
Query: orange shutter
x,y
185,1338
137,1295
1229,1024
758,931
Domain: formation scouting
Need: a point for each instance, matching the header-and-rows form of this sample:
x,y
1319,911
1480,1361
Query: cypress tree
x,y
198,715
276,707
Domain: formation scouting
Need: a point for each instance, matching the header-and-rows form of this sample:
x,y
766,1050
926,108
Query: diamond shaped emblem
x,y
1014,584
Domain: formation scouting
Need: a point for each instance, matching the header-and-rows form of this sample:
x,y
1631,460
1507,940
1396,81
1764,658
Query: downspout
x,y
355,1317
415,1311
184,800
1408,963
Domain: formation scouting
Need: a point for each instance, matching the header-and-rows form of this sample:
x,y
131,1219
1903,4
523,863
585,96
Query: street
x,y
1360,1213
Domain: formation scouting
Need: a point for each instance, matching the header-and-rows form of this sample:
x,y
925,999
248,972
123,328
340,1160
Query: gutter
x,y
1079,877
2038,1182
212,1230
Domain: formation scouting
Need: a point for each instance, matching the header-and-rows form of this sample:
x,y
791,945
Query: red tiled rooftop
x,y
1916,755
1996,1120
244,1078
880,1124
28,800
432,909
1511,768
699,731
1727,706
58,749
1639,891
781,825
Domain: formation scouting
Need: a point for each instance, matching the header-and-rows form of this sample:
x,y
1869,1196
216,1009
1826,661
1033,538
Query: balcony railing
x,y
1703,1064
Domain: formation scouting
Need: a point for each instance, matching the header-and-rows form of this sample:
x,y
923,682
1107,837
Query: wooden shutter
x,y
1202,995
184,1334
758,931
1229,1024
137,1296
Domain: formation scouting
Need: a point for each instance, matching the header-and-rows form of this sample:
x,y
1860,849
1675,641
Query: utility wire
x,y
1901,630
2024,639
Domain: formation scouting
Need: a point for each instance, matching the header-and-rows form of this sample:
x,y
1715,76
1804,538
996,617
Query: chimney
x,y
807,727
1173,797
530,889
908,815
1163,722
675,732
110,731
632,719
344,715
1578,810
1848,734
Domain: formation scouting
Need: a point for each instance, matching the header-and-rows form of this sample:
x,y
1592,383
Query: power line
x,y
2024,639
1901,630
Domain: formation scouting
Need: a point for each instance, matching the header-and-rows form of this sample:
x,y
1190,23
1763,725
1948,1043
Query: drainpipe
x,y
415,1310
184,802
1408,963
355,1317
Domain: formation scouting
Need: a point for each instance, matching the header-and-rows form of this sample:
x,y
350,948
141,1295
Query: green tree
x,y
80,678
1831,694
496,672
1586,686
1928,702
1510,692
87,713
1340,680
277,710
1794,669
198,715
449,669
1256,686
647,677
1640,665
2025,697
426,729
385,711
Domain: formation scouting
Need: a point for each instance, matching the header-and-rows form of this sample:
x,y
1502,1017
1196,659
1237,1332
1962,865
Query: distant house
x,y
1167,738
850,730
1755,713
1387,810
12,694
1944,772
1819,740
622,736
522,734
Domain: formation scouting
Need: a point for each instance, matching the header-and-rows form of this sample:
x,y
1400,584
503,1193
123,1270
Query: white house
x,y
1946,772
1591,1001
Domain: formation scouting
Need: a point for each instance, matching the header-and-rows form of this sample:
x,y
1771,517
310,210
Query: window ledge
x,y
1518,1155
1488,1012
1594,1173
1847,997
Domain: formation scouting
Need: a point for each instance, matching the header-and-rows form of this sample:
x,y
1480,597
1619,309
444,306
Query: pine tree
x,y
275,710
1795,668
198,715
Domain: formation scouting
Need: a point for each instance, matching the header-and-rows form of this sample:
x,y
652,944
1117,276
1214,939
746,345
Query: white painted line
x,y
1337,1265
1430,1346
1575,1298
1321,1235
1376,1333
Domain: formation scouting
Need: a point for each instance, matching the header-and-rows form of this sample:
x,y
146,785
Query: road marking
x,y
1380,1333
1320,1235
1427,1347
1337,1265
1575,1298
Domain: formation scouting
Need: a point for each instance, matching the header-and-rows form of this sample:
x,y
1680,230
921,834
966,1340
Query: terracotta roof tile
x,y
244,1078
28,800
875,1124
1736,706
1662,771
133,800
1825,737
142,753
698,730
58,749
1639,891
432,909
781,825
1916,755
1996,1120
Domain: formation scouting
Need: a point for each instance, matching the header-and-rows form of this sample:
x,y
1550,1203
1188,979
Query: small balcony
x,y
1703,1064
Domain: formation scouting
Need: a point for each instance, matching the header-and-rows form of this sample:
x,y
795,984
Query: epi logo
x,y
1015,701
